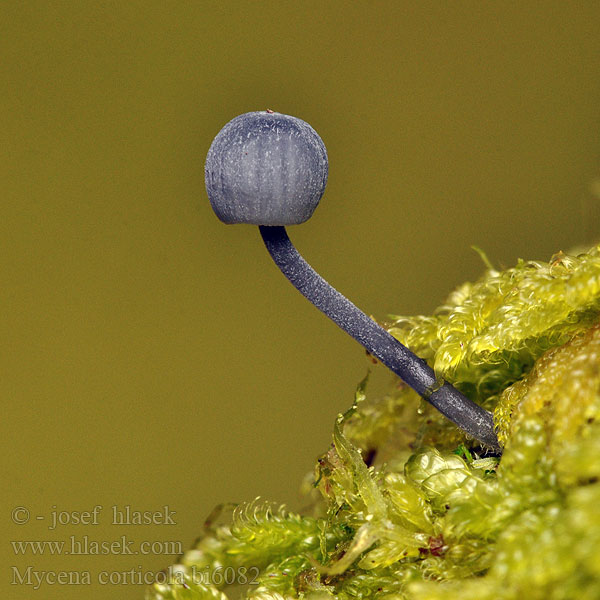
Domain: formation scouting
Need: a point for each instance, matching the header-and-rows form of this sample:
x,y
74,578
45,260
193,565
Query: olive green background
x,y
151,356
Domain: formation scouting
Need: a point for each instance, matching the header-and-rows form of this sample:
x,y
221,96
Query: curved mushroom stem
x,y
470,417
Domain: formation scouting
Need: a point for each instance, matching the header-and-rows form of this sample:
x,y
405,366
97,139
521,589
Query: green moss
x,y
429,518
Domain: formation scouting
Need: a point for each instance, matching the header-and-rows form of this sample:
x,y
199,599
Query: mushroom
x,y
269,169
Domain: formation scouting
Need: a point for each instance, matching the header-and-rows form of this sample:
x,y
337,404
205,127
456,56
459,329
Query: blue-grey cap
x,y
266,168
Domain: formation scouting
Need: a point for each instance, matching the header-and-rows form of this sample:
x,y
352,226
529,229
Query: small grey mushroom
x,y
269,169
265,168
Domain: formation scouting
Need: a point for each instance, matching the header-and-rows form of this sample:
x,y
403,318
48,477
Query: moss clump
x,y
406,507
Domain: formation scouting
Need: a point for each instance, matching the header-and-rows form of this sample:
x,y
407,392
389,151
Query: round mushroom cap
x,y
265,168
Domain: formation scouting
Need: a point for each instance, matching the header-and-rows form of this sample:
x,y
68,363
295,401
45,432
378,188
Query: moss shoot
x,y
405,506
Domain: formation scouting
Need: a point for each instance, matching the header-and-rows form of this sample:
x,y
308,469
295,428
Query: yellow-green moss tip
x,y
405,509
489,332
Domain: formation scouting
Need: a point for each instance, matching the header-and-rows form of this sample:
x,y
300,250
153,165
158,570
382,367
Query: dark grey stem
x,y
472,418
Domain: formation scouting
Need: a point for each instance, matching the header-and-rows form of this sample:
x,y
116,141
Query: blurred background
x,y
152,356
